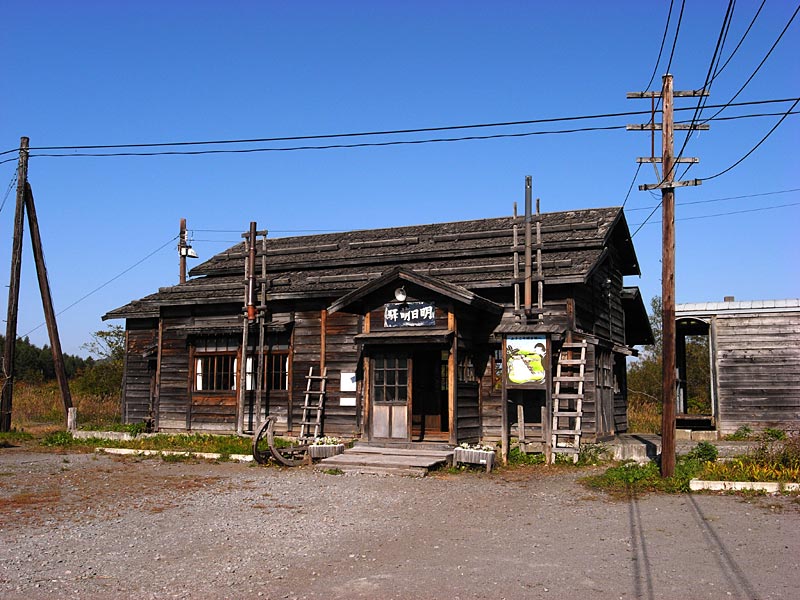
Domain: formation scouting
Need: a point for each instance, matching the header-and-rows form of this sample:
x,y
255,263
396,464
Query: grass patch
x,y
644,417
9,439
775,459
630,480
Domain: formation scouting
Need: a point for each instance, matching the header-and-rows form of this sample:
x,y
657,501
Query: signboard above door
x,y
409,314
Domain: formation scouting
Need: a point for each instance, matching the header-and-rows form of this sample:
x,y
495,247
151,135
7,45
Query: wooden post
x,y
47,302
182,251
9,351
504,433
539,272
668,285
528,242
452,377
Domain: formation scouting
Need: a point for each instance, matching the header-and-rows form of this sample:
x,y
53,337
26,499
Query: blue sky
x,y
85,73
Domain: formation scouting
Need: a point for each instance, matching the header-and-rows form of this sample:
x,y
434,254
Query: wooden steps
x,y
383,460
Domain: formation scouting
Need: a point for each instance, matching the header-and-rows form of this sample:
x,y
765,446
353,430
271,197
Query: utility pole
x,y
667,186
47,301
182,251
9,351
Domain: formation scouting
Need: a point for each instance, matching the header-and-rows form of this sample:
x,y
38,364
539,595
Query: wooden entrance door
x,y
429,395
391,393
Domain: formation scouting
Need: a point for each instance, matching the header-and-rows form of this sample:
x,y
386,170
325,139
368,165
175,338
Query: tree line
x,y
100,373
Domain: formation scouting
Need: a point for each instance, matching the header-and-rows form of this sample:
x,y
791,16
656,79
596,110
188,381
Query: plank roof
x,y
474,254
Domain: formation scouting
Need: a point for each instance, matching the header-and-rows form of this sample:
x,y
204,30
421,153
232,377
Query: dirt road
x,y
87,526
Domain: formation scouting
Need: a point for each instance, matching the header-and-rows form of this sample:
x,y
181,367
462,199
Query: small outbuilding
x,y
754,358
469,331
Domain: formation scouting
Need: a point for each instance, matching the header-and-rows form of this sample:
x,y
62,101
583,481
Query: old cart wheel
x,y
286,453
261,444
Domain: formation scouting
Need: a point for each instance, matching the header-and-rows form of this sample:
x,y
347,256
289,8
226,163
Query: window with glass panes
x,y
215,364
390,378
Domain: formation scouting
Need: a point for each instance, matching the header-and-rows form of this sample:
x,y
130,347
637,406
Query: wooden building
x,y
416,328
754,361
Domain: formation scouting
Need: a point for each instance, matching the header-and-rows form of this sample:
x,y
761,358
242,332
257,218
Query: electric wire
x,y
8,191
754,148
723,214
661,48
721,199
376,133
761,64
100,287
738,45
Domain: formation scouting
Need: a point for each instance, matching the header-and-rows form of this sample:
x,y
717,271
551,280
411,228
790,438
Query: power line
x,y
721,199
100,287
661,48
675,39
744,35
723,214
763,60
8,191
335,146
753,149
371,133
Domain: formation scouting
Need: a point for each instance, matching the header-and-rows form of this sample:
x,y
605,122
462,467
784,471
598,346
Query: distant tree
x,y
645,376
103,373
35,365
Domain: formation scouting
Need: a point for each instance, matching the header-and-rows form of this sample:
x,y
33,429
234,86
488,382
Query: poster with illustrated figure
x,y
525,362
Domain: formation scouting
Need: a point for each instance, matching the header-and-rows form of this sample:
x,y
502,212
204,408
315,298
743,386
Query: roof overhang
x,y
364,296
406,336
638,331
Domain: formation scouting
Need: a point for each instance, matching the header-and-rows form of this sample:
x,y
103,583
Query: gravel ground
x,y
88,526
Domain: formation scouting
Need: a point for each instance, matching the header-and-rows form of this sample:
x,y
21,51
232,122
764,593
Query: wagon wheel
x,y
261,443
289,454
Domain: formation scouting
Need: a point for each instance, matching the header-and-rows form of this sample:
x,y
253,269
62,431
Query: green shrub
x,y
58,438
771,434
742,434
704,452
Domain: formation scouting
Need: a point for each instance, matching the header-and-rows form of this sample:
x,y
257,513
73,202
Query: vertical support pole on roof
x,y
539,277
515,245
528,243
182,252
250,315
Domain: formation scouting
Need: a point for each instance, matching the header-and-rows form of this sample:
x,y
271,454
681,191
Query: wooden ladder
x,y
568,400
312,405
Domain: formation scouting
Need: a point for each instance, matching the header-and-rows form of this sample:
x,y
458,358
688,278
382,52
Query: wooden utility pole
x,y
667,186
182,250
9,351
47,301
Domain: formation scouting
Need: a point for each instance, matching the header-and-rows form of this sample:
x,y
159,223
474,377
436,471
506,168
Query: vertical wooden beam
x,y
668,285
47,302
504,434
366,421
157,394
528,242
452,378
323,339
9,351
182,251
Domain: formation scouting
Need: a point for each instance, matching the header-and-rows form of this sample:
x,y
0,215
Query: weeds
x,y
775,459
742,434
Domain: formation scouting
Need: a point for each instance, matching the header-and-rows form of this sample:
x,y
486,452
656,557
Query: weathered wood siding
x,y
174,384
491,396
341,356
468,419
620,394
758,370
138,390
306,354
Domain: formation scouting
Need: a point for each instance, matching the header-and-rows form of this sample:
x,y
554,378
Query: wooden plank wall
x,y
173,391
136,392
620,394
341,355
758,368
595,311
306,344
468,419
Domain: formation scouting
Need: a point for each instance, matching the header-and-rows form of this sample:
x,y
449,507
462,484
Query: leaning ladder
x,y
312,405
568,400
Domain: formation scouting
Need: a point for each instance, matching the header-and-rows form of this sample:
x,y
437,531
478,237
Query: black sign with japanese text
x,y
409,314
